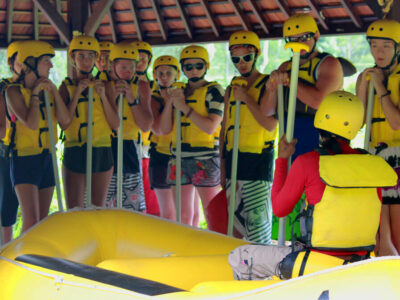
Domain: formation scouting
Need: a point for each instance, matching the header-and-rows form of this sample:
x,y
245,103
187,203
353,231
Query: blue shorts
x,y
33,169
8,198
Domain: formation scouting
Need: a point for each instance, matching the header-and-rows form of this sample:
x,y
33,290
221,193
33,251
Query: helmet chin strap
x,y
394,58
307,55
252,69
196,79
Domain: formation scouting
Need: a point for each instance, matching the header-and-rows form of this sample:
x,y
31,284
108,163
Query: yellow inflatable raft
x,y
116,254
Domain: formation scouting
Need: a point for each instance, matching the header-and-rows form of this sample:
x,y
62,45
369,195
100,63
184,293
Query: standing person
x,y
83,51
384,38
201,104
8,198
31,163
166,71
319,74
137,116
145,57
253,212
103,61
343,188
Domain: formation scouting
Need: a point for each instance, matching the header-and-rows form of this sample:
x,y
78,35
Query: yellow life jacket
x,y
146,135
253,138
191,134
103,75
130,128
380,128
347,217
7,138
162,143
75,134
32,142
308,73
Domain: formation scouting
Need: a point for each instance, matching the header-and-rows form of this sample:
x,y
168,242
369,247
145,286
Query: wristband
x,y
384,95
189,113
34,95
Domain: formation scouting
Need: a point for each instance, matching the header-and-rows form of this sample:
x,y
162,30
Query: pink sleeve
x,y
287,188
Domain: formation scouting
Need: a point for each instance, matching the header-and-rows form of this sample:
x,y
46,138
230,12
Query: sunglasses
x,y
304,38
246,58
189,67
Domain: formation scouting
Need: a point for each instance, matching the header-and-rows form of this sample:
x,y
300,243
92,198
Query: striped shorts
x,y
132,192
253,210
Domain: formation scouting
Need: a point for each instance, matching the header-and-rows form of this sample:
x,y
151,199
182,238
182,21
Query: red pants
x,y
149,195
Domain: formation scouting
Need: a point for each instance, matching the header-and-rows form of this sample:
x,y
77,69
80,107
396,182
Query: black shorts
x,y
130,156
8,198
75,159
158,169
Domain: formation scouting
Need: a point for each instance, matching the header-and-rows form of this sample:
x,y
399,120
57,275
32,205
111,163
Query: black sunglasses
x,y
246,58
304,38
189,67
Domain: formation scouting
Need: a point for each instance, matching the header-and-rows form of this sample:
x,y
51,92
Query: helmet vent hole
x,y
350,99
81,43
372,28
194,51
244,37
381,29
327,116
340,96
124,51
288,28
346,123
297,26
89,43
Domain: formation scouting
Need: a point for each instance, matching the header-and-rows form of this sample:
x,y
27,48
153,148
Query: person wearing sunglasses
x,y
384,39
319,74
201,104
253,211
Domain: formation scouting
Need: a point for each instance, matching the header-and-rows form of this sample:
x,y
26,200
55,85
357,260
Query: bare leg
x,y
100,184
207,194
386,246
166,203
7,234
45,197
28,197
74,188
196,211
187,203
394,211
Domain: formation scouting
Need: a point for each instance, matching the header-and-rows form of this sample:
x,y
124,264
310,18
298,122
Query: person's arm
x,y
287,189
3,117
60,110
109,111
265,120
29,116
155,110
142,111
330,79
167,115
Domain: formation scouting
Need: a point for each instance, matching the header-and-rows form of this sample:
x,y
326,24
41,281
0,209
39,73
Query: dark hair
x,y
330,141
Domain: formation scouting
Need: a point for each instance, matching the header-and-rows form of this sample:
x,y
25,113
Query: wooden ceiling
x,y
177,21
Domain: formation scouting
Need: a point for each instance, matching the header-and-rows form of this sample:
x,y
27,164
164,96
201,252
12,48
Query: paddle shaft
x,y
120,153
53,149
89,135
368,117
178,156
281,120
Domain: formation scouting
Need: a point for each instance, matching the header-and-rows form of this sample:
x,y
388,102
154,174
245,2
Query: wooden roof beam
x,y
259,15
317,11
59,10
185,18
239,12
97,16
160,20
113,24
215,27
10,13
35,22
136,19
55,19
352,13
284,8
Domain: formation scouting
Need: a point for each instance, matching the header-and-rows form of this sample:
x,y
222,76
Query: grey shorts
x,y
199,172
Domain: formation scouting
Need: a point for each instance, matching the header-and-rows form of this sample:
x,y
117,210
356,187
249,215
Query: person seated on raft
x,y
343,195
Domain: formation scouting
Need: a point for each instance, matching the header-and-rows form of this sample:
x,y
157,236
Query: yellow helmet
x,y
106,46
84,42
13,48
144,47
195,51
245,38
300,23
124,50
35,49
384,29
166,60
341,113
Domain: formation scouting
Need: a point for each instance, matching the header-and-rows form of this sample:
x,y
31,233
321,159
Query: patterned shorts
x,y
253,210
132,192
391,155
199,172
